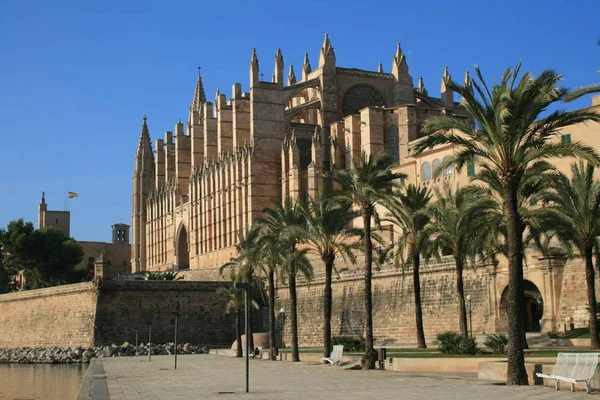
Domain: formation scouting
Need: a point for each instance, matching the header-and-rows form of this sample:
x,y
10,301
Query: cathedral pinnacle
x,y
254,70
400,66
467,82
421,86
306,68
291,76
254,59
446,77
327,56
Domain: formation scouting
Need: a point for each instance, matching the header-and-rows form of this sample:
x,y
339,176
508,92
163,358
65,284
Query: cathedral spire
x,y
306,68
327,56
380,68
199,95
291,76
144,143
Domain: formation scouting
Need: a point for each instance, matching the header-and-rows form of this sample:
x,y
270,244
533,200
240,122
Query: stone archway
x,y
534,307
183,254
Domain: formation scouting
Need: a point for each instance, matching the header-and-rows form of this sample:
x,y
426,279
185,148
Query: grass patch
x,y
578,333
434,353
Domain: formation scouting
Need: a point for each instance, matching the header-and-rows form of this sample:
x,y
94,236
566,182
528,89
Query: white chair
x,y
336,355
573,368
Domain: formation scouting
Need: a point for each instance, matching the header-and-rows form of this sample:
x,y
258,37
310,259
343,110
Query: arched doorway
x,y
534,307
183,254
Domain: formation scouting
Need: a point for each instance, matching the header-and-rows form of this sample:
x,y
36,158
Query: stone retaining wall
x,y
58,316
89,314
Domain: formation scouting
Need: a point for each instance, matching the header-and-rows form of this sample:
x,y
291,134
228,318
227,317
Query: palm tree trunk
x,y
591,294
327,301
370,356
416,261
294,317
272,312
460,292
516,373
238,334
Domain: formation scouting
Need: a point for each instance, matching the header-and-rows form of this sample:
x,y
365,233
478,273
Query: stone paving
x,y
219,377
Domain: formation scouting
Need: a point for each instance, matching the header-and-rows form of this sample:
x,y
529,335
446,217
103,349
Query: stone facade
x,y
203,185
105,311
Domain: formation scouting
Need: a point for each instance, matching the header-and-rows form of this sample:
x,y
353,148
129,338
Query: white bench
x,y
573,368
336,355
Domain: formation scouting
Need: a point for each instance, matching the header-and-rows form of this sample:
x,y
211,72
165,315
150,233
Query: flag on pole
x,y
72,194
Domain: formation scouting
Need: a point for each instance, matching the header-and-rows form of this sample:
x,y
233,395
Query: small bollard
x,y
381,354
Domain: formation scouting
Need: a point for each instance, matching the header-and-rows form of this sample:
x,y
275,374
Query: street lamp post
x,y
470,316
246,288
282,312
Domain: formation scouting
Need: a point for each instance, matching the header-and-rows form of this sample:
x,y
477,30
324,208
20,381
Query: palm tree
x,y
328,234
406,211
285,221
235,304
245,263
575,217
506,135
458,223
270,252
367,185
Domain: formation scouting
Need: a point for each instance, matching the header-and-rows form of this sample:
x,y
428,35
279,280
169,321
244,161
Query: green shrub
x,y
454,343
497,343
351,343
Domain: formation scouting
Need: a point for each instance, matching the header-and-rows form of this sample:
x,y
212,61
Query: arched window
x,y
392,143
425,171
359,97
449,170
436,165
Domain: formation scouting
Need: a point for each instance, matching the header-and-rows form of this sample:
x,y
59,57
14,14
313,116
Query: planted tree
x,y
507,135
574,215
328,233
245,264
284,221
406,211
235,299
458,222
367,185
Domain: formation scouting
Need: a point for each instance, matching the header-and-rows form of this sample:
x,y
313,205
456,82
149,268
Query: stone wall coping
x,y
161,285
50,291
387,270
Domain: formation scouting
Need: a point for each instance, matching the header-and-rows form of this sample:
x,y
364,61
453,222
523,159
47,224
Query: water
x,y
40,381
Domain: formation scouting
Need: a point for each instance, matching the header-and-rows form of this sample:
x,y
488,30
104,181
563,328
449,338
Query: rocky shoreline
x,y
78,355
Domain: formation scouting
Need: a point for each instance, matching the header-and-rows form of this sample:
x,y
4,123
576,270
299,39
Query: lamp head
x,y
468,297
282,311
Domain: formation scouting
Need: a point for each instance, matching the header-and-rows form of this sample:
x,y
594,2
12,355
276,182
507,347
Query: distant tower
x,y
42,208
120,234
143,183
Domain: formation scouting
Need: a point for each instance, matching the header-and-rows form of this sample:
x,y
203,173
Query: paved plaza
x,y
219,377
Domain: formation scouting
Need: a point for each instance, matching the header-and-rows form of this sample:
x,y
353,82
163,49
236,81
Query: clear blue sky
x,y
77,76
